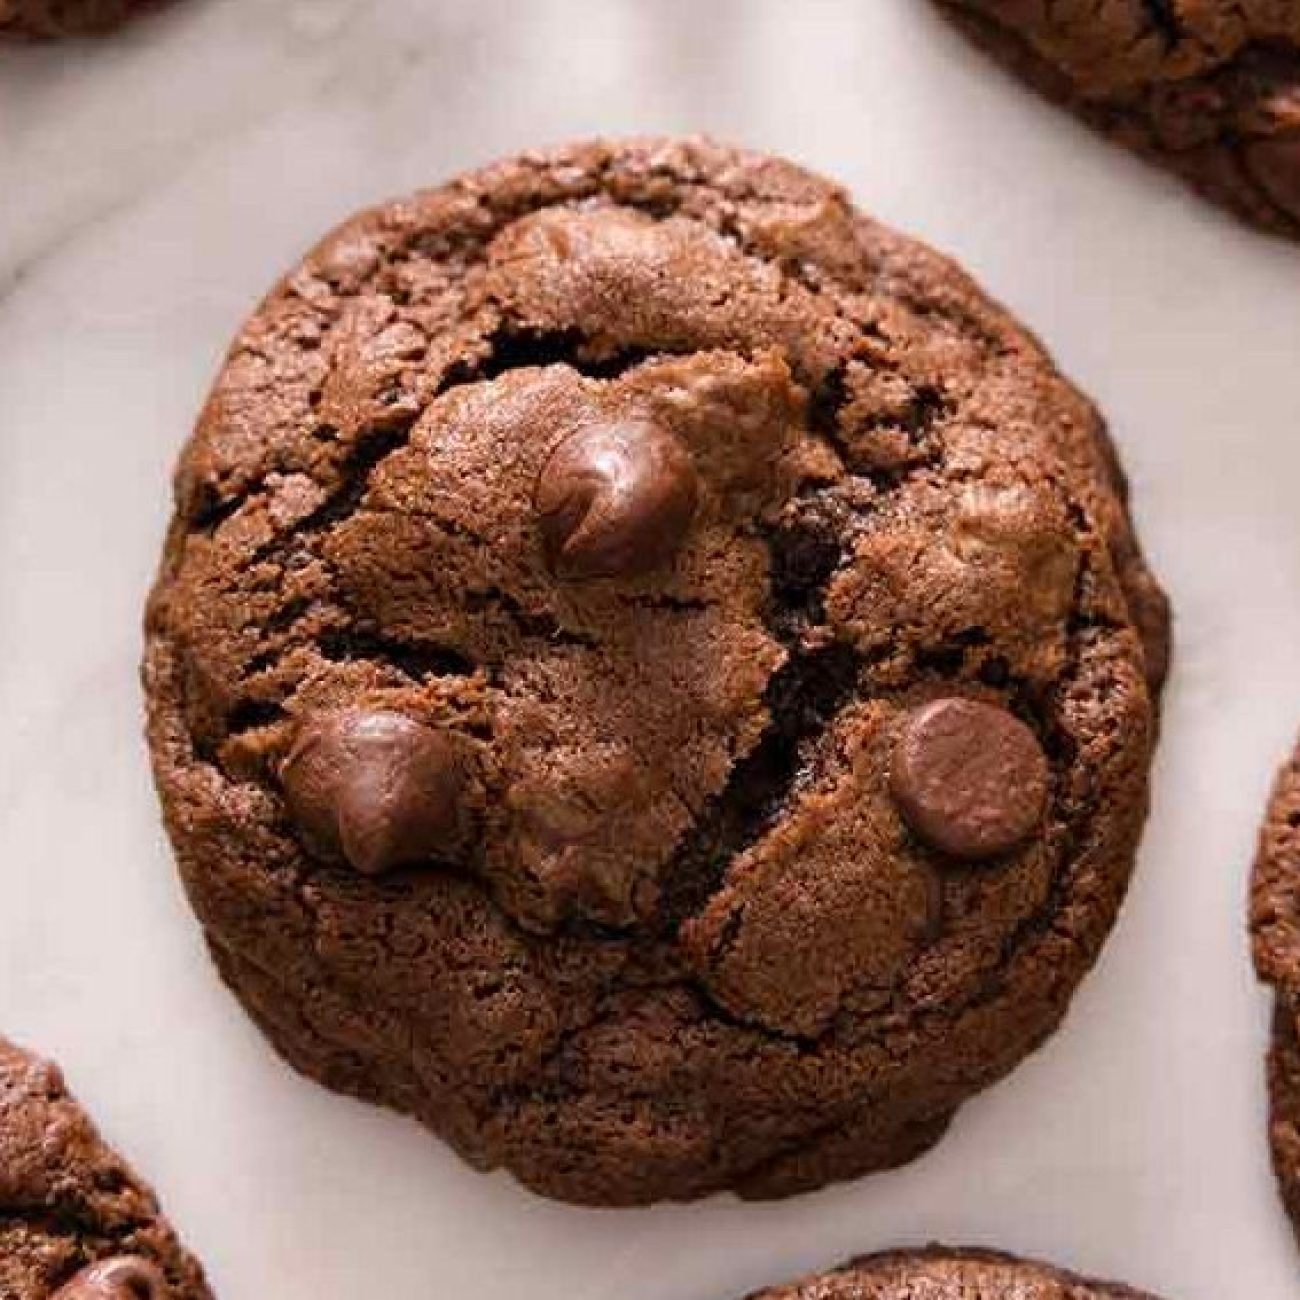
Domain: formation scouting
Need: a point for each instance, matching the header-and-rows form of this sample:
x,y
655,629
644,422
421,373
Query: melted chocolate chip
x,y
615,499
128,1277
970,779
374,788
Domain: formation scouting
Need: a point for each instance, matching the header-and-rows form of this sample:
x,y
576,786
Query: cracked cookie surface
x,y
938,1273
76,1223
558,562
1210,88
1275,937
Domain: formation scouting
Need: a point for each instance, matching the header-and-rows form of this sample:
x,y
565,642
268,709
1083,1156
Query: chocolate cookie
x,y
51,19
1211,88
650,674
1275,935
940,1274
75,1222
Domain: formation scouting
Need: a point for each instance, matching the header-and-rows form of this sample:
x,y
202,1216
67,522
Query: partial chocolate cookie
x,y
51,19
937,1273
1210,88
1275,935
75,1221
650,674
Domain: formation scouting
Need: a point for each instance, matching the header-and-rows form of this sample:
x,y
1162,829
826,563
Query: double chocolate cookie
x,y
1275,935
651,674
940,1274
937,1273
75,1221
51,19
1210,88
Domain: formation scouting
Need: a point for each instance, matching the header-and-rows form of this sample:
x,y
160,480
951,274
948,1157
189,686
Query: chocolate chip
x,y
1275,164
615,499
969,778
129,1277
374,788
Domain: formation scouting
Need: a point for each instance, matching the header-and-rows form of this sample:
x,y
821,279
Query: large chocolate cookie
x,y
1275,934
75,1221
940,1274
50,19
1211,88
648,675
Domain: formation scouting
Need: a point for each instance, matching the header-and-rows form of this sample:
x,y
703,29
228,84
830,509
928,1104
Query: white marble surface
x,y
151,187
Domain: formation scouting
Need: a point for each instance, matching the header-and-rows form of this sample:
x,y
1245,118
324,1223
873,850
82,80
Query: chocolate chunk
x,y
969,778
1275,164
375,788
128,1277
615,500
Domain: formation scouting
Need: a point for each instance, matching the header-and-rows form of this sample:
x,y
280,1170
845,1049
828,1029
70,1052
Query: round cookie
x,y
75,1221
1209,88
51,19
585,583
1275,937
937,1273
